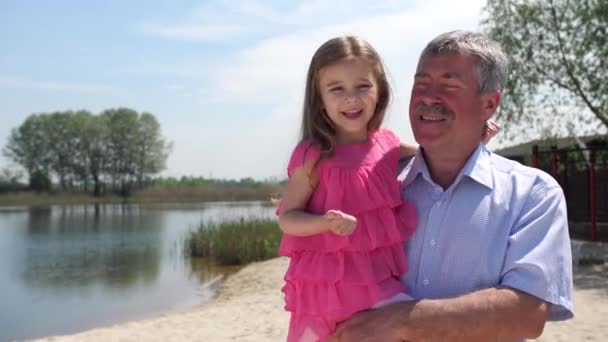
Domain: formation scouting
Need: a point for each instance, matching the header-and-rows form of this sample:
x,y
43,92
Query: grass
x,y
235,242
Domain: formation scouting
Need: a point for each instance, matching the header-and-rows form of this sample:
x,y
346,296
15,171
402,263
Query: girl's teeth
x,y
352,113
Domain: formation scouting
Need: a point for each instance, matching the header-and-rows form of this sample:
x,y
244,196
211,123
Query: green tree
x,y
10,179
10,175
134,147
152,150
61,131
120,142
95,149
89,159
40,181
29,146
559,60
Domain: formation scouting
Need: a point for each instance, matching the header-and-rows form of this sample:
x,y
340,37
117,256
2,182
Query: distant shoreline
x,y
40,199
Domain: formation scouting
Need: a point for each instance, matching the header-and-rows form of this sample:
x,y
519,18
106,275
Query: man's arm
x,y
496,314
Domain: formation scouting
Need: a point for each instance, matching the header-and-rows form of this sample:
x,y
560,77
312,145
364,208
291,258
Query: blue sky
x,y
224,78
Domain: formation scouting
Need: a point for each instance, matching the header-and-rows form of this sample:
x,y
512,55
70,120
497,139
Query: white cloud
x,y
310,14
195,32
220,20
182,70
215,21
175,87
25,83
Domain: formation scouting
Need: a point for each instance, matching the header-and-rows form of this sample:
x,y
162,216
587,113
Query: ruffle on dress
x,y
397,224
337,301
357,191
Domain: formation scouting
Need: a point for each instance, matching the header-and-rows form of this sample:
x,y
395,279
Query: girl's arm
x,y
407,150
489,131
293,219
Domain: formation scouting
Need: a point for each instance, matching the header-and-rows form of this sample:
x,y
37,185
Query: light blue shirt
x,y
499,223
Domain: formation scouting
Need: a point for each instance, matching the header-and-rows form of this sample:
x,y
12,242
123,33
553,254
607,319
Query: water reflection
x,y
101,264
73,247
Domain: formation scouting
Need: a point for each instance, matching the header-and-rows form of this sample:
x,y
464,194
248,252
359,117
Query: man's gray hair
x,y
491,65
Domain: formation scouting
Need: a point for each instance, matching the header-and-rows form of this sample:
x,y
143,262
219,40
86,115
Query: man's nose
x,y
429,96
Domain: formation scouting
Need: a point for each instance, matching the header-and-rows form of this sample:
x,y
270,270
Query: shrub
x,y
235,242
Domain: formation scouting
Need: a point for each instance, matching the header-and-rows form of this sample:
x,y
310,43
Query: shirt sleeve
x,y
539,255
390,136
305,150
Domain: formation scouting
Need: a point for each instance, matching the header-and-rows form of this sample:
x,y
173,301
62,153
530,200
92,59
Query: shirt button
x,y
432,242
425,281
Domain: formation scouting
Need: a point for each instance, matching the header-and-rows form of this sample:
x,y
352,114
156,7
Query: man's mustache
x,y
438,108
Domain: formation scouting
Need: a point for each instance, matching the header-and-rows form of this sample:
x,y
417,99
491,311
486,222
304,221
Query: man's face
x,y
447,112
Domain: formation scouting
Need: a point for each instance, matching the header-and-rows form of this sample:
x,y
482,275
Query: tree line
x,y
226,183
114,151
201,189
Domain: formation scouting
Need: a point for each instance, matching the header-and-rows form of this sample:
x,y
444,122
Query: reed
x,y
235,242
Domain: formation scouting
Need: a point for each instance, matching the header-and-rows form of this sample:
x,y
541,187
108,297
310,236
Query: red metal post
x,y
554,166
592,193
566,159
535,159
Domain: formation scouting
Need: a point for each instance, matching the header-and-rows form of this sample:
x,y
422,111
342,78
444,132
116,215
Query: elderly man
x,y
491,258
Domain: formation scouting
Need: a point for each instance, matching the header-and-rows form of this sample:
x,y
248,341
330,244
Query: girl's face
x,y
349,92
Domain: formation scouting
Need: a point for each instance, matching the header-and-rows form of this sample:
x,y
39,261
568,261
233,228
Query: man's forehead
x,y
448,66
446,74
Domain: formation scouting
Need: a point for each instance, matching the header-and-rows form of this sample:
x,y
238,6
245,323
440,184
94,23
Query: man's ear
x,y
490,103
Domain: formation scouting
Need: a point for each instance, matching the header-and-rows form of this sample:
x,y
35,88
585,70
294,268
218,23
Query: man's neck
x,y
444,166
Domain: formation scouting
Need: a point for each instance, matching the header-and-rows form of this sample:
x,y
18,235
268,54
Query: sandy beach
x,y
249,307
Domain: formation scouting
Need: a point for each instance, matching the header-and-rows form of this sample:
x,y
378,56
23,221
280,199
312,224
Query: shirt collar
x,y
415,167
477,168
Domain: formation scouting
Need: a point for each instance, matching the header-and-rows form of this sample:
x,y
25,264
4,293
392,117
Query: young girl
x,y
341,213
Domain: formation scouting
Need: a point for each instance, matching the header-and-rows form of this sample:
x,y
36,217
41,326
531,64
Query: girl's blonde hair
x,y
316,125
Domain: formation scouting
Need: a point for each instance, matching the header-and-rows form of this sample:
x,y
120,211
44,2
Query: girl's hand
x,y
340,223
490,130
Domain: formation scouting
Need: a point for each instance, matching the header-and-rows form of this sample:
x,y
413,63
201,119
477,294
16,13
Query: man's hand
x,y
340,223
386,324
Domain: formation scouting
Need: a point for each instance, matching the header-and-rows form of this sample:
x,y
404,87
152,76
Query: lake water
x,y
66,269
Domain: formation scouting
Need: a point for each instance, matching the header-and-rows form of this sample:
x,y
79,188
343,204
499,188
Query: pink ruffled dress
x,y
331,277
